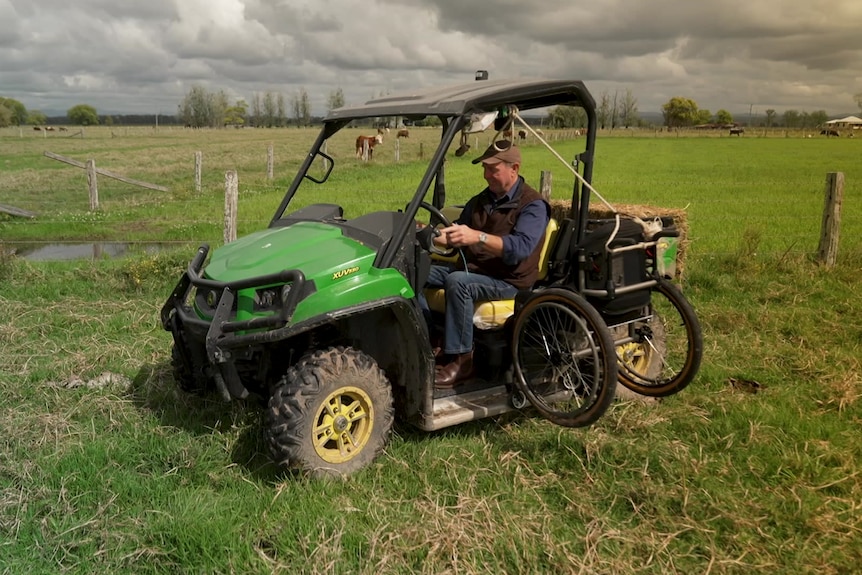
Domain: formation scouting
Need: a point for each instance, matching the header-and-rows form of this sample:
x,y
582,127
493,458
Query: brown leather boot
x,y
455,372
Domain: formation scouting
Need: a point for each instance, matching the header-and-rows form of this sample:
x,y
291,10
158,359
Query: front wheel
x,y
661,352
331,414
564,358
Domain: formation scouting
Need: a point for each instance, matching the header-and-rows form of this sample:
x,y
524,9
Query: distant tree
x,y
723,117
17,112
818,118
679,111
702,117
203,109
5,116
791,118
195,110
629,110
256,110
83,115
301,108
603,112
280,112
770,117
269,110
36,118
566,117
108,121
614,110
336,99
858,98
220,105
235,115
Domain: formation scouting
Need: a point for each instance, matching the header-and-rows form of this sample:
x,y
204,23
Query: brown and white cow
x,y
370,142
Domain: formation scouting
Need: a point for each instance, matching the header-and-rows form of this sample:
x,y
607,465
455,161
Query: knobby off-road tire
x,y
564,358
331,414
667,349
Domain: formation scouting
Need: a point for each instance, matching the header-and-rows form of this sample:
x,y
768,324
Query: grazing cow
x,y
522,134
507,134
403,133
62,129
828,133
370,141
49,128
737,131
37,128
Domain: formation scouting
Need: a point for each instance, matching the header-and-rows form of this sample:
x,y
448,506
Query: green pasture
x,y
754,468
733,188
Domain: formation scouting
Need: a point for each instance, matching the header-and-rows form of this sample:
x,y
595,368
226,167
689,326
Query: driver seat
x,y
493,314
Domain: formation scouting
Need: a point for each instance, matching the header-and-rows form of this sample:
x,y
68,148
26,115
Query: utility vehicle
x,y
318,313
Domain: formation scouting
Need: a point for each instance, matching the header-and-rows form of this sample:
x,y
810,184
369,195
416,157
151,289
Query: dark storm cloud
x,y
131,56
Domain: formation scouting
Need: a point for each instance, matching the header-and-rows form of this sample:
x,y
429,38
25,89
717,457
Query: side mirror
x,y
480,122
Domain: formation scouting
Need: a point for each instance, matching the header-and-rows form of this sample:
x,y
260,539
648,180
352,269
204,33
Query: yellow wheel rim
x,y
635,357
343,425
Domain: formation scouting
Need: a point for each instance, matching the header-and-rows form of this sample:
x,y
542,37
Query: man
x,y
500,232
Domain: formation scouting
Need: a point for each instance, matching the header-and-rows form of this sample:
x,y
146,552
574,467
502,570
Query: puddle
x,y
79,251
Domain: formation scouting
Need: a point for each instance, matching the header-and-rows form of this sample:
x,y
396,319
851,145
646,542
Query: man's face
x,y
500,176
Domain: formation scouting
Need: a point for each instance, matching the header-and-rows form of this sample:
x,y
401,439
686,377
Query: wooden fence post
x,y
92,185
545,185
830,228
198,163
397,151
231,193
269,162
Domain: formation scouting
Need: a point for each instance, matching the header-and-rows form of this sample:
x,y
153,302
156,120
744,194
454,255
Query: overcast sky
x,y
143,56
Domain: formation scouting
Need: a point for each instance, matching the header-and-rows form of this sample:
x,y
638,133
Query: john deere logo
x,y
345,272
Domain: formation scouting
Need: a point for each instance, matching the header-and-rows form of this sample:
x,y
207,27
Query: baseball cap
x,y
500,151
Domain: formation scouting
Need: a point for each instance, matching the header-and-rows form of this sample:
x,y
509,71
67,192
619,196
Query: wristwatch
x,y
483,237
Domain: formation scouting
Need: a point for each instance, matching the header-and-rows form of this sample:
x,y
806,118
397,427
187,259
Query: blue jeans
x,y
462,290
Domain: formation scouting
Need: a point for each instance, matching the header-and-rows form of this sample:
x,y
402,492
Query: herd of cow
x,y
365,144
50,128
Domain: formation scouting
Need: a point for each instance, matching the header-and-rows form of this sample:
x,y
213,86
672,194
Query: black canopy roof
x,y
477,96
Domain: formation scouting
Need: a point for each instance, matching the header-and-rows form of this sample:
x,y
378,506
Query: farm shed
x,y
849,122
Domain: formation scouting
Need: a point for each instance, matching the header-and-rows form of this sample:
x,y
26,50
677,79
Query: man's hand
x,y
459,235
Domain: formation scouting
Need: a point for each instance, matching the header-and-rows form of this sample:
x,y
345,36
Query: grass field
x,y
754,468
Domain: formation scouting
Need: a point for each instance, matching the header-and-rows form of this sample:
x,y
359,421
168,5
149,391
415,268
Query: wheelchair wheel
x,y
564,359
664,347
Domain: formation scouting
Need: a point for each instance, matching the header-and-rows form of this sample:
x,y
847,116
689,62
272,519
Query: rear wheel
x,y
564,358
665,346
331,414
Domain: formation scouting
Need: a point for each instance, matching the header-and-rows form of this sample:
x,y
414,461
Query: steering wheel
x,y
434,232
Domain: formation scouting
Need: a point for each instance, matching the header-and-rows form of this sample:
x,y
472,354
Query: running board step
x,y
464,407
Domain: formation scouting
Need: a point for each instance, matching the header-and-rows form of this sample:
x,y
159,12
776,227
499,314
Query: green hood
x,y
340,267
318,250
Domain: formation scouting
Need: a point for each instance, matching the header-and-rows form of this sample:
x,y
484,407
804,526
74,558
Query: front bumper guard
x,y
222,334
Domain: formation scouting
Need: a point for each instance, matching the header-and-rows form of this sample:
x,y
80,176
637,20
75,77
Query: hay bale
x,y
560,209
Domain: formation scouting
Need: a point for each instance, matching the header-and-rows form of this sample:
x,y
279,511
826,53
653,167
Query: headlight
x,y
269,299
206,300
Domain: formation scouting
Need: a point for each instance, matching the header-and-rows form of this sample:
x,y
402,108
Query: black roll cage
x,y
455,106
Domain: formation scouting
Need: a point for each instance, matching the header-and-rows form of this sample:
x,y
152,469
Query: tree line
x,y
201,108
682,112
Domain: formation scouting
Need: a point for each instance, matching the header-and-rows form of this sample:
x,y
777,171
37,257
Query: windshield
x,y
365,169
